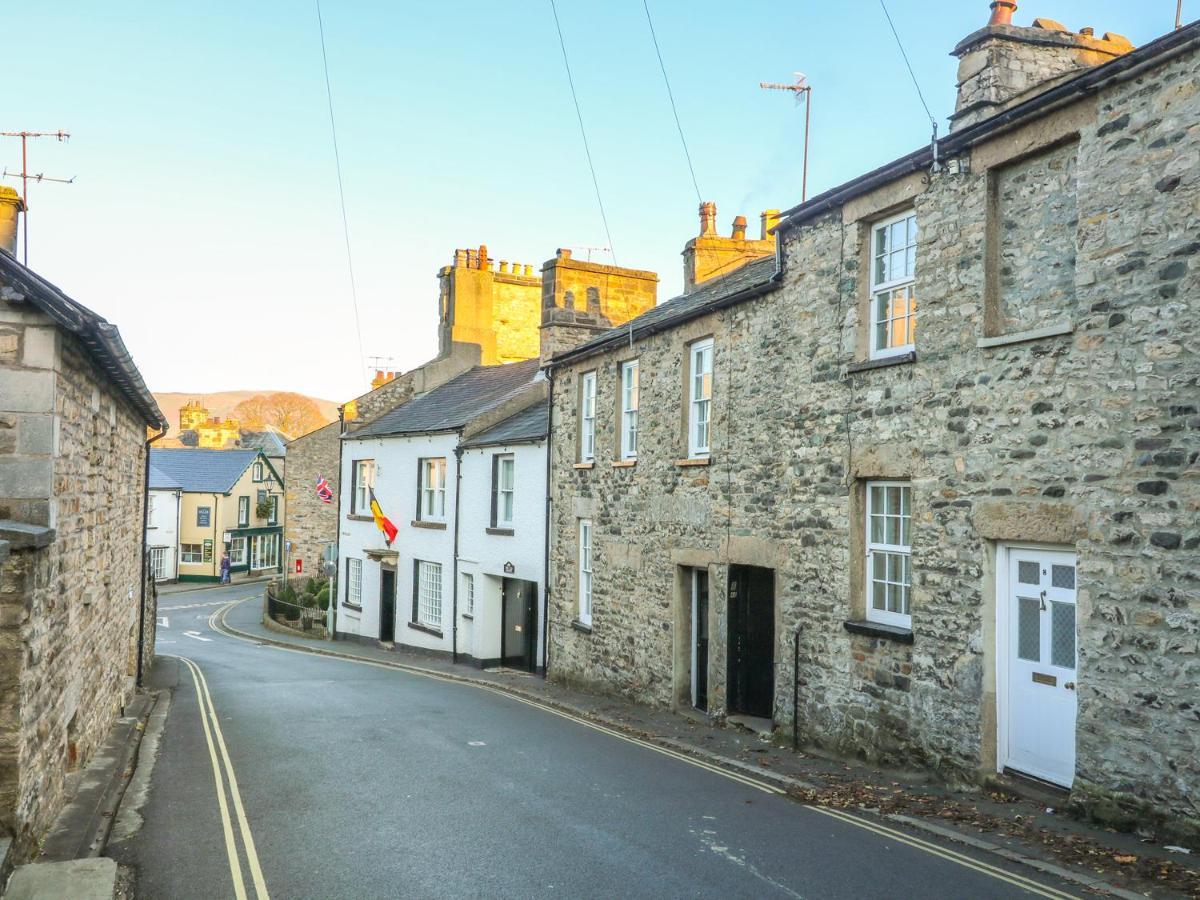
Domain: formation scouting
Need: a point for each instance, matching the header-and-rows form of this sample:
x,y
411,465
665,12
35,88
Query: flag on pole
x,y
324,491
382,522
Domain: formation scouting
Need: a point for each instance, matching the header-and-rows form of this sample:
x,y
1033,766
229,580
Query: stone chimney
x,y
1002,64
710,255
11,208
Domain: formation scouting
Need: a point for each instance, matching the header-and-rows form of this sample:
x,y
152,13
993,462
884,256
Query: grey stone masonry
x,y
1052,397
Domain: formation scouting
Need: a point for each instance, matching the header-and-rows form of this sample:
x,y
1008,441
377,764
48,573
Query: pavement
x,y
280,771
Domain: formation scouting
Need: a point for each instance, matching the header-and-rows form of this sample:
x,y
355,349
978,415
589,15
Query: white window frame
x,y
237,549
433,489
586,549
905,280
587,417
429,594
158,562
273,515
258,472
264,552
354,580
362,474
243,512
630,399
700,398
506,497
190,557
468,594
901,618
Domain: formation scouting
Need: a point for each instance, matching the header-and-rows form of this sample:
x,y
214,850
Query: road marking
x,y
260,885
235,865
216,621
164,622
195,635
193,605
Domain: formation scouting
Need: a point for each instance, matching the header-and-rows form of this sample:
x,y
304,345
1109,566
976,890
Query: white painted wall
x,y
396,470
484,555
162,527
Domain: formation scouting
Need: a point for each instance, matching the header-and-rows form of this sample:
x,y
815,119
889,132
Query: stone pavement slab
x,y
77,879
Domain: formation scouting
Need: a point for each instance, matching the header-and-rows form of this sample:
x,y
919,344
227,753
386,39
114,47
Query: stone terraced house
x,y
76,614
942,450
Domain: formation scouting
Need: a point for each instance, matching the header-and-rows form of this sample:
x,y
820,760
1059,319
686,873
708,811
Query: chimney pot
x,y
739,228
11,208
504,266
1002,12
1089,31
563,253
708,218
528,269
483,257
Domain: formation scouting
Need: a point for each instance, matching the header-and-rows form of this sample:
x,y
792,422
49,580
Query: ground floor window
x,y
469,593
158,562
191,553
429,594
237,550
354,581
264,551
889,552
585,571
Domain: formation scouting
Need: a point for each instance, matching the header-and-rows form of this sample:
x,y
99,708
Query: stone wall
x,y
69,610
1088,439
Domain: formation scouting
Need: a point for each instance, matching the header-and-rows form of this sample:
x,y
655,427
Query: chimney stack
x,y
708,218
11,208
1002,12
769,219
739,228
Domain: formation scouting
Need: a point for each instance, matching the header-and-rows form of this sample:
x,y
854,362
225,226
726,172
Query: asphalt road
x,y
357,781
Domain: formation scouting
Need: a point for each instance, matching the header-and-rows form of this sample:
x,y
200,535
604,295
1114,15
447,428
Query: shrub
x,y
323,598
312,587
308,601
289,594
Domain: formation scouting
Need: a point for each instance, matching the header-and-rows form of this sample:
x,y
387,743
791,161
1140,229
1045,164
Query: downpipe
x,y
141,642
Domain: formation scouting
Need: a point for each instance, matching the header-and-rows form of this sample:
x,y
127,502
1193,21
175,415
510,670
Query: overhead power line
x,y
671,96
583,132
337,160
913,75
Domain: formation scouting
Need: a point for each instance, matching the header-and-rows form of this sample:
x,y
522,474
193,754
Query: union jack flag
x,y
323,490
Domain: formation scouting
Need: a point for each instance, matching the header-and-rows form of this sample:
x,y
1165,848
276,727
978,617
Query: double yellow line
x,y
216,741
217,623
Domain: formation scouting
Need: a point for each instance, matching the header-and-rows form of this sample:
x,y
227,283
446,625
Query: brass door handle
x,y
1070,685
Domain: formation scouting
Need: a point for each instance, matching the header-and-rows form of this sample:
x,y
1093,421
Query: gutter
x,y
141,643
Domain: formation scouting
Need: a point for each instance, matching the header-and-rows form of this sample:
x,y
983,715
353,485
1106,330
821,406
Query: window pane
x,y
896,264
912,229
876,499
902,605
1062,634
898,236
1063,577
892,532
878,595
880,241
877,530
879,566
1028,572
1029,629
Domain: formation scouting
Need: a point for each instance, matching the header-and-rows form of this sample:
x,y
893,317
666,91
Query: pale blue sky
x,y
205,220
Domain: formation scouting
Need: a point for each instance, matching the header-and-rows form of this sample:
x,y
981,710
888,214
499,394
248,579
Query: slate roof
x,y
202,471
452,405
270,441
160,480
100,338
710,295
530,424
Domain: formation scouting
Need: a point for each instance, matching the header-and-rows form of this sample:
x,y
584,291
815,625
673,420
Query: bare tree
x,y
293,414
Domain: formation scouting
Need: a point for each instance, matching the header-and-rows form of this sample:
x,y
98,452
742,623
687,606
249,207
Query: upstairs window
x,y
363,475
585,571
258,472
893,296
273,514
889,552
503,489
700,371
587,417
243,512
629,409
433,489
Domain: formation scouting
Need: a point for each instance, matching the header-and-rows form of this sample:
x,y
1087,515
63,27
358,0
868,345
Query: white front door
x,y
1041,664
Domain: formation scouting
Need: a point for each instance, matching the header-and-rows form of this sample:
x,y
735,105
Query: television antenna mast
x,y
803,93
25,175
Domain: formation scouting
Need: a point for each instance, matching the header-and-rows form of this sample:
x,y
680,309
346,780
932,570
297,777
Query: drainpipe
x,y
454,568
546,561
141,642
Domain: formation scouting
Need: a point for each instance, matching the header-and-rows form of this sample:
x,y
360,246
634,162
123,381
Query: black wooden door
x,y
751,641
519,624
387,605
700,632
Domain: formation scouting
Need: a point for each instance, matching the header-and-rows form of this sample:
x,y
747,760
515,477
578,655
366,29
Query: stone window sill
x,y
624,463
351,607
1020,337
421,523
354,517
698,461
417,626
467,616
504,532
584,465
900,359
581,626
878,630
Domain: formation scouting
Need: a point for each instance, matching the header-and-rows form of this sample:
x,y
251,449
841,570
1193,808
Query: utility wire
x,y
671,97
583,133
337,159
911,73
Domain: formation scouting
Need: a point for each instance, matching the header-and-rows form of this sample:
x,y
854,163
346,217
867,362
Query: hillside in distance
x,y
223,403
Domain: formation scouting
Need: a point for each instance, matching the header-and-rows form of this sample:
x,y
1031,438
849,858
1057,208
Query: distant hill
x,y
221,403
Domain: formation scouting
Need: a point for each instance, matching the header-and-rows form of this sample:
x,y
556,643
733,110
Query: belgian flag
x,y
382,522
